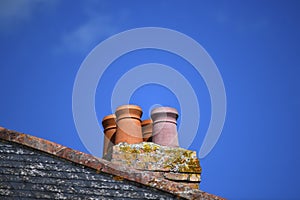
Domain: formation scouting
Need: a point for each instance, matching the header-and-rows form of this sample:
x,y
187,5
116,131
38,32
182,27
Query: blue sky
x,y
255,45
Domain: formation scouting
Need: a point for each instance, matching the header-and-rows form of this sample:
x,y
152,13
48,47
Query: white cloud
x,y
100,24
13,12
94,30
242,23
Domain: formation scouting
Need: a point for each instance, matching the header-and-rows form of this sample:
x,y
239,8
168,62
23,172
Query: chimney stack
x,y
133,146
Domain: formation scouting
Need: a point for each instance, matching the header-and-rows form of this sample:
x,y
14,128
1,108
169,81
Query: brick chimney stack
x,y
162,157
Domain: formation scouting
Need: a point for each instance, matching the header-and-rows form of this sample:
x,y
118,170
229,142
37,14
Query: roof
x,y
144,179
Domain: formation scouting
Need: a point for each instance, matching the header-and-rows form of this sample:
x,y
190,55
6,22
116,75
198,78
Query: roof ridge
x,y
100,165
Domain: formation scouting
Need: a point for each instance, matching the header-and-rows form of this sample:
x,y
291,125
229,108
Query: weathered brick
x,y
191,185
157,167
176,176
195,178
140,165
147,157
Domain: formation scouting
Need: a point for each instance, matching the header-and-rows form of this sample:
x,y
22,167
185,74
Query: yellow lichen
x,y
175,159
149,147
118,178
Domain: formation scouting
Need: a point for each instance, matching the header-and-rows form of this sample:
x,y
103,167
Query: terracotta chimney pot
x,y
129,127
147,130
110,128
165,126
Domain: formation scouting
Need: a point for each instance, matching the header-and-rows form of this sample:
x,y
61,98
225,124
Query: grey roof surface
x,y
27,173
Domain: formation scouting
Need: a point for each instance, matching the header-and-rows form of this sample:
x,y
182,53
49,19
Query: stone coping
x,y
100,165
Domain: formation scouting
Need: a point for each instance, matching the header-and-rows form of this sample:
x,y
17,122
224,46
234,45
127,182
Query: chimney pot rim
x,y
107,117
146,122
128,106
166,110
